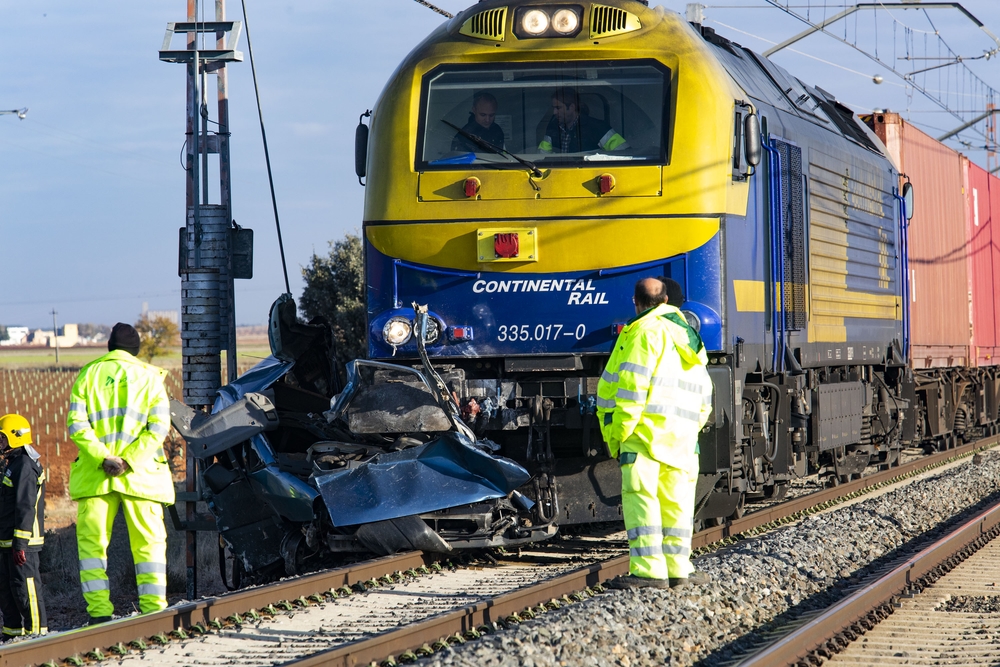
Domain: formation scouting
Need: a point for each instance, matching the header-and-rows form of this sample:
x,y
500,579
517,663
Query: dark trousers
x,y
21,600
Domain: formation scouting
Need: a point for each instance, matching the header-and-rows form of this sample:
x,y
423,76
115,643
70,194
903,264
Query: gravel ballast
x,y
757,583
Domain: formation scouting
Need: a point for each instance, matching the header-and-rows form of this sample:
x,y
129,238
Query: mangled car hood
x,y
446,472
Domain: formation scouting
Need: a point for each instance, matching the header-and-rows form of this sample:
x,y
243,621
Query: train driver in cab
x,y
481,124
573,131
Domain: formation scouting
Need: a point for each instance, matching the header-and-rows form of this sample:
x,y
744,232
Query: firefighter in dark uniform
x,y
22,531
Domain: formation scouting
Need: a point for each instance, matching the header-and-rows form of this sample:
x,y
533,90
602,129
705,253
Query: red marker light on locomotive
x,y
606,183
617,327
506,245
460,334
472,186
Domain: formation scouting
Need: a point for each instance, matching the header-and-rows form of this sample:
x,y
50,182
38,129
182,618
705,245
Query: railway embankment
x,y
758,584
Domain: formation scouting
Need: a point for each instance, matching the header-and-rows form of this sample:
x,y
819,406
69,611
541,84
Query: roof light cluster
x,y
548,21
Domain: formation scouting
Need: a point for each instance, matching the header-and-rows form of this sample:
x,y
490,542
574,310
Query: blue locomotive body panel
x,y
531,313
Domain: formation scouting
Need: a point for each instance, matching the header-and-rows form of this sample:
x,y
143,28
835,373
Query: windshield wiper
x,y
482,143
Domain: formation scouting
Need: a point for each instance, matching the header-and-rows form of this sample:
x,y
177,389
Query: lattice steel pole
x,y
206,242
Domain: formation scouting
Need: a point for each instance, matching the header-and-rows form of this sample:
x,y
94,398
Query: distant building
x,y
97,338
16,336
70,336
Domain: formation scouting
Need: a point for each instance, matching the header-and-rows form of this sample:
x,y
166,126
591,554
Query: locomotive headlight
x,y
693,320
535,22
565,21
397,331
547,21
433,331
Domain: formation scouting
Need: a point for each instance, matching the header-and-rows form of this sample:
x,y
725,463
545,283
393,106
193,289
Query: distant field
x,y
249,353
14,358
32,384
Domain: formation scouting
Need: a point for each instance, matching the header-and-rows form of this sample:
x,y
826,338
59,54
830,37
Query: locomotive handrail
x,y
904,252
445,398
777,258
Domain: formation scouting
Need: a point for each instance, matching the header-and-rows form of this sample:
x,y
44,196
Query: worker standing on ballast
x,y
652,400
119,415
22,531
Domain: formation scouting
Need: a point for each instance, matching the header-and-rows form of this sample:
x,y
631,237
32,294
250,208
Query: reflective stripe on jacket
x,y
22,502
588,134
656,394
119,407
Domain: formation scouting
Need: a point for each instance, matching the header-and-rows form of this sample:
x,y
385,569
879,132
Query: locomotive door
x,y
785,232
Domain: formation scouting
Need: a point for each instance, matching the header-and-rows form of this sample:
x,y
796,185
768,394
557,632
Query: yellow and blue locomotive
x,y
529,161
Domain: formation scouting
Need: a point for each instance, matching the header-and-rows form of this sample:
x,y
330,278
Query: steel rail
x,y
61,645
447,624
494,610
787,508
459,621
793,648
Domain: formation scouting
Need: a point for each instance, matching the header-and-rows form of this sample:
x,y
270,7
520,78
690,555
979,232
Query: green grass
x,y
46,357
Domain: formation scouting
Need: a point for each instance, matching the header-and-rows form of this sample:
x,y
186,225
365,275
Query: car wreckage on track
x,y
296,468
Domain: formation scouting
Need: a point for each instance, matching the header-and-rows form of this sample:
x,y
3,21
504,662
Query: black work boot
x,y
632,581
95,620
696,578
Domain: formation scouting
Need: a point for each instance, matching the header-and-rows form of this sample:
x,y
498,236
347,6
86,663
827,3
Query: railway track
x,y
927,610
952,619
405,605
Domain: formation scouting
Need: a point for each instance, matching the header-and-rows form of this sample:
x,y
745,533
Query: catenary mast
x,y
213,250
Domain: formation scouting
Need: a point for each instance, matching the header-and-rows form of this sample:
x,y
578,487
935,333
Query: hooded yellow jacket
x,y
119,407
656,394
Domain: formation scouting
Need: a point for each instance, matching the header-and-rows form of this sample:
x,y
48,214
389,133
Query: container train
x,y
840,270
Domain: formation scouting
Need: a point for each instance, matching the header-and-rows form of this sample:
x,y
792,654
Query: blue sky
x,y
92,189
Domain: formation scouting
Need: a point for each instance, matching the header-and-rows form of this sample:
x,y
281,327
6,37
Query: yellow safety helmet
x,y
17,429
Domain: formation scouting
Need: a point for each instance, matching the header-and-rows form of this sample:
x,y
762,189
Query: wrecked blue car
x,y
299,471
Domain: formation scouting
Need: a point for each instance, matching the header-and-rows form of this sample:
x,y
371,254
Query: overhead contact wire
x,y
434,8
267,155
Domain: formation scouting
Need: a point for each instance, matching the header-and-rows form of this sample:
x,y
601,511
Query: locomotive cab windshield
x,y
565,113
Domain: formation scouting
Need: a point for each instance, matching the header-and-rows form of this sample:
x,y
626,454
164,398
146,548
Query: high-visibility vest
x,y
119,407
655,394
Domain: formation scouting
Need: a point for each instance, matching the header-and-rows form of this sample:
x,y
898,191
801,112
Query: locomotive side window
x,y
550,113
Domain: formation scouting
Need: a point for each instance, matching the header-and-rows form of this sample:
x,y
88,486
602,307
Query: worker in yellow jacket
x,y
652,400
119,415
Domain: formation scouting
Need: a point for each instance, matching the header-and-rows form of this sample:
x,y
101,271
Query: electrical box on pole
x,y
213,249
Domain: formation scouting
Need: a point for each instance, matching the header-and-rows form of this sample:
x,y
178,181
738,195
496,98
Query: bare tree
x,y
156,334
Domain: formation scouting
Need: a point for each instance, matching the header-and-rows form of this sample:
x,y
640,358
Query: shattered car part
x,y
385,398
403,534
299,468
443,473
208,435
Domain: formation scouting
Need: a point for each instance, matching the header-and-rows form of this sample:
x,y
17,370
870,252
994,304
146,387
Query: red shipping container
x,y
980,191
940,324
994,220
